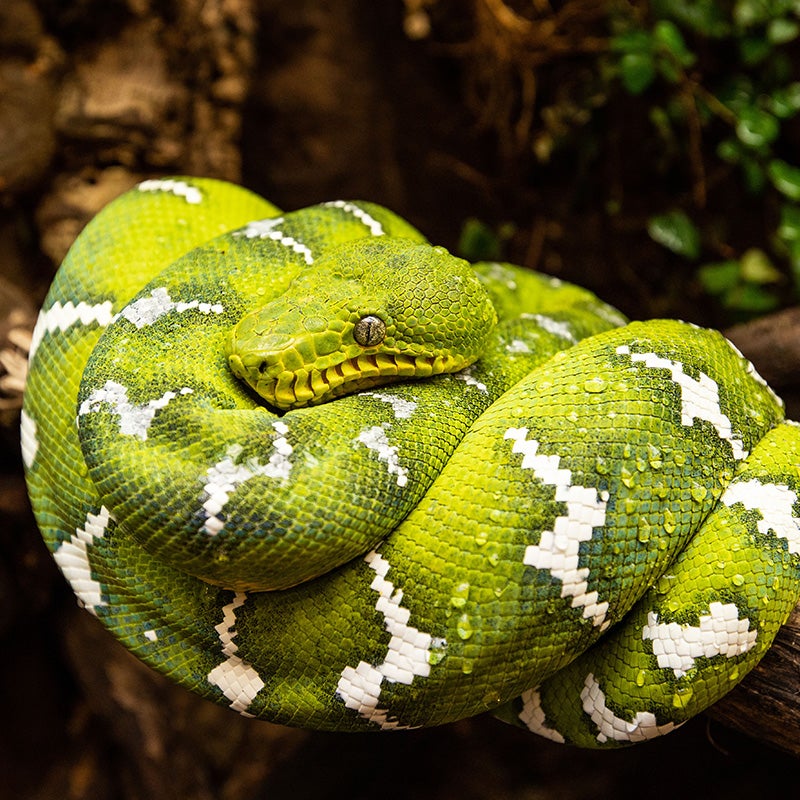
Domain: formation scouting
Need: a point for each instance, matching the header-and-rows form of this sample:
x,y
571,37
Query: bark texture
x,y
309,101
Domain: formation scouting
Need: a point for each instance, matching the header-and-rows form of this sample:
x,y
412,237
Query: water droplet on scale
x,y
698,493
682,697
594,385
627,477
464,627
654,457
460,595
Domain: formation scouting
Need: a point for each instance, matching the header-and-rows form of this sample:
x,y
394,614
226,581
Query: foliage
x,y
723,73
480,242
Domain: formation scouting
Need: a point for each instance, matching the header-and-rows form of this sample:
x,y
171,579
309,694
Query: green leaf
x,y
751,298
785,102
719,277
756,128
478,242
637,71
751,12
668,35
785,178
757,268
632,41
675,231
729,150
754,177
782,30
789,226
706,17
754,49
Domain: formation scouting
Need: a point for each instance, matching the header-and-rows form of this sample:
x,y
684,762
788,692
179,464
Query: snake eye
x,y
369,331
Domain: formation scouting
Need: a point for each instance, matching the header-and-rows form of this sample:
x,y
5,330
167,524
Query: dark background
x,y
480,116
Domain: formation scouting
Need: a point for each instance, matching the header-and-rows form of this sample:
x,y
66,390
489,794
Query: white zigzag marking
x,y
267,229
375,227
552,326
401,408
699,398
239,682
533,716
29,441
375,439
60,317
466,376
557,550
642,727
774,502
146,310
225,476
720,632
134,420
407,656
73,560
191,194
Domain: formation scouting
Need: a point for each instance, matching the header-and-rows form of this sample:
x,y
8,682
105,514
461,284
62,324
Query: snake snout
x,y
273,355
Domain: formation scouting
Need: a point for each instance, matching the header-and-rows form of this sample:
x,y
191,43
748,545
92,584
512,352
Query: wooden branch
x,y
766,704
772,343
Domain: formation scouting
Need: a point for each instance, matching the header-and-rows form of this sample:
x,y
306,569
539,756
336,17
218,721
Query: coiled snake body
x,y
508,470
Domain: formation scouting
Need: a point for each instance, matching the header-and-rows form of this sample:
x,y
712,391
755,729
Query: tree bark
x,y
322,100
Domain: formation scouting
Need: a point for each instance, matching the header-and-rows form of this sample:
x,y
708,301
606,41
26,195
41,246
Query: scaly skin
x,y
434,548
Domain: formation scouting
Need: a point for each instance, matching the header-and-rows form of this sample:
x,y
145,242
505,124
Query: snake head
x,y
366,313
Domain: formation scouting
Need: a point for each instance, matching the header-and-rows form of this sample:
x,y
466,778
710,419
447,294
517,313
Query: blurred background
x,y
648,150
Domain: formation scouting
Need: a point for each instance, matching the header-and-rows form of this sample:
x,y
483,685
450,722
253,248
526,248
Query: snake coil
x,y
516,503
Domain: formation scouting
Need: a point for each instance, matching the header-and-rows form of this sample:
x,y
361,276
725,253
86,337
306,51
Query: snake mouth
x,y
308,387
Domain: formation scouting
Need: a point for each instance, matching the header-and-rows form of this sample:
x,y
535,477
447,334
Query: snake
x,y
316,469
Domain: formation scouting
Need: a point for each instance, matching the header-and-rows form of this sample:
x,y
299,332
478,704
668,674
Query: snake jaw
x,y
308,385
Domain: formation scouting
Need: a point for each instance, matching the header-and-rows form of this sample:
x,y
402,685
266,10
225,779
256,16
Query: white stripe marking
x,y
642,727
774,502
146,310
699,398
266,229
29,441
60,317
134,420
191,194
227,475
375,439
466,376
720,632
407,656
533,716
552,326
517,346
375,227
557,550
239,682
401,408
73,560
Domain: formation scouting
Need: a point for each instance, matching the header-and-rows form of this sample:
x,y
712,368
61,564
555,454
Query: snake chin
x,y
309,387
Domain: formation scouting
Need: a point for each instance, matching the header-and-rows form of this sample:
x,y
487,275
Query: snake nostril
x,y
262,367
